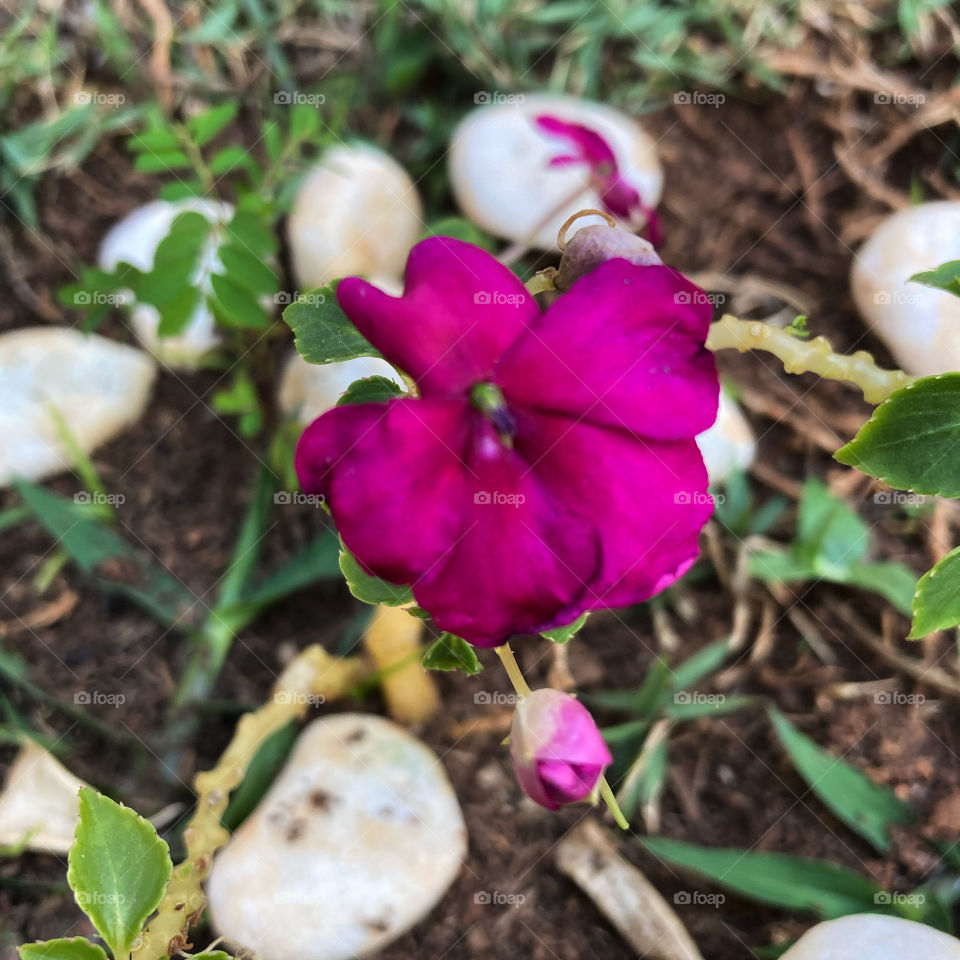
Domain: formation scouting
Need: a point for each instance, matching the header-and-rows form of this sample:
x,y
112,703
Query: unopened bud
x,y
593,245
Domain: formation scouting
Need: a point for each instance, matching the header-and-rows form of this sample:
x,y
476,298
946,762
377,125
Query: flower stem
x,y
510,664
513,670
808,356
611,801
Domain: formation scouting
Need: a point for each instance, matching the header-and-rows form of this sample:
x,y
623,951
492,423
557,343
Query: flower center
x,y
489,400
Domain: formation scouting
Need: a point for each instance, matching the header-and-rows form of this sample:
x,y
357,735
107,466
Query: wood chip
x,y
624,895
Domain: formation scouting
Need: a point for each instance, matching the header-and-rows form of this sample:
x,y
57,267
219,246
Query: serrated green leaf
x,y
912,441
450,652
205,126
248,270
236,307
64,948
324,333
371,589
854,798
936,603
118,869
945,277
778,879
370,390
565,634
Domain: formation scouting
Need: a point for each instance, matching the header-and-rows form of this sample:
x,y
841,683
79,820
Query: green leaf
x,y
205,126
324,333
240,399
370,390
700,665
564,634
912,441
175,314
893,581
251,233
645,778
449,652
229,159
778,879
72,948
854,798
945,277
167,162
118,869
97,549
371,589
304,121
248,270
260,775
236,307
936,603
707,705
830,534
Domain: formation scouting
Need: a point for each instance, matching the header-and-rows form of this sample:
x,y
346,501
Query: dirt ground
x,y
732,204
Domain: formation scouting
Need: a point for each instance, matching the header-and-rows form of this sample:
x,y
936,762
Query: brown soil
x,y
733,202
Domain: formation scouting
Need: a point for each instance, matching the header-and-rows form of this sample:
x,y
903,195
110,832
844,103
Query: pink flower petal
x,y
393,478
520,562
460,310
647,499
624,348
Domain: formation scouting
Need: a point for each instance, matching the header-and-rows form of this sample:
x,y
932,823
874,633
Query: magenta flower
x,y
549,465
617,195
558,752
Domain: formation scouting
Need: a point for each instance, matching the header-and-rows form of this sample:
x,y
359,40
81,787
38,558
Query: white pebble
x,y
500,173
356,213
356,841
873,936
919,324
98,387
729,444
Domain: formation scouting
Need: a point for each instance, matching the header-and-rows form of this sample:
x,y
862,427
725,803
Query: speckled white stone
x,y
134,240
500,173
356,213
355,842
872,936
308,390
729,444
920,325
96,385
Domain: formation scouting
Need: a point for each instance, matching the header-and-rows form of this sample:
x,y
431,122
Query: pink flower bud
x,y
557,750
591,246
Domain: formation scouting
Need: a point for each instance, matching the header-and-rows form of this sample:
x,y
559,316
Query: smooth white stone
x,y
308,390
96,385
39,802
134,240
355,842
500,173
356,213
872,936
920,325
729,444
